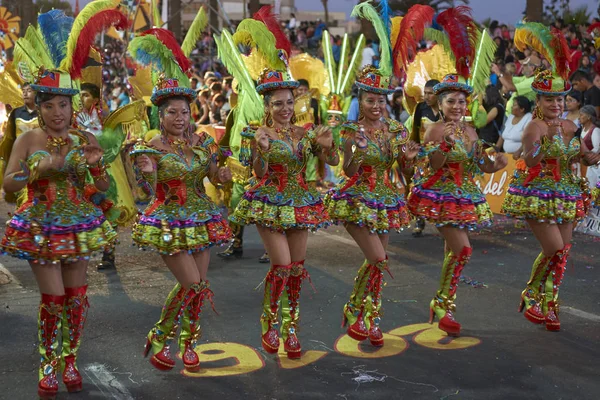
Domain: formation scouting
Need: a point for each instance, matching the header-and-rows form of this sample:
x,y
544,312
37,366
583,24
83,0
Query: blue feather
x,y
386,15
56,27
434,23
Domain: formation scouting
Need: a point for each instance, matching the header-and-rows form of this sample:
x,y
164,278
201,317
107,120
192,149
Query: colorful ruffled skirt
x,y
546,198
67,232
445,203
282,203
368,203
173,228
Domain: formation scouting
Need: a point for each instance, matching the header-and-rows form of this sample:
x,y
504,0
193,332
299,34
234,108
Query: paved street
x,y
499,356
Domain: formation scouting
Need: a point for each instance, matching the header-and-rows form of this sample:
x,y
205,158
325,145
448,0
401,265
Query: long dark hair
x,y
492,98
396,108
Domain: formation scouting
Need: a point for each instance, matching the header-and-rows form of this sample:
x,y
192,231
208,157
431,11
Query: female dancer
x,y
549,196
181,221
281,204
367,203
446,194
57,229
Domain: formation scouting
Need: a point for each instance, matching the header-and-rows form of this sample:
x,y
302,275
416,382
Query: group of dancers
x,y
58,226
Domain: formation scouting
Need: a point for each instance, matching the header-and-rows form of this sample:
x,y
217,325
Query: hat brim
x,y
270,86
54,90
542,92
373,89
163,94
455,86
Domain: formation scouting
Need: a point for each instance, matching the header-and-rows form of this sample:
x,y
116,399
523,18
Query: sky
x,y
506,11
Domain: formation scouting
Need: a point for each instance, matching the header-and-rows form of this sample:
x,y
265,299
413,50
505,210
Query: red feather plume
x,y
266,16
593,27
462,33
411,32
168,39
562,53
96,24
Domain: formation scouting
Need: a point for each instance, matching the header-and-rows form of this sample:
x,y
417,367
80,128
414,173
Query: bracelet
x,y
332,152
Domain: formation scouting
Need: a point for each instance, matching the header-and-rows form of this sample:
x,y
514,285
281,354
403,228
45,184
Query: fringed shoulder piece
x,y
399,132
207,143
141,147
246,147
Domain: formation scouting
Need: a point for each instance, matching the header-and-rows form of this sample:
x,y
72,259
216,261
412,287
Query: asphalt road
x,y
499,356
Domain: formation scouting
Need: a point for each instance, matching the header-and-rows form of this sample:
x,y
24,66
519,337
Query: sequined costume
x,y
369,198
57,223
281,199
180,216
449,196
548,191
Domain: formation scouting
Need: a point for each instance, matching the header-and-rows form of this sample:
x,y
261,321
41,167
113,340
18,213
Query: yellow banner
x,y
495,185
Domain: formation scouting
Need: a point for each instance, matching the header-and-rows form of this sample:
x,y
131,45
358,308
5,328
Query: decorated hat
x,y
274,80
54,82
548,84
169,87
334,104
453,82
371,80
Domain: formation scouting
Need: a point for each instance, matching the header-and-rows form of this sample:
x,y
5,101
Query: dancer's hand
x,y
411,150
92,153
53,162
224,175
500,161
360,140
324,137
144,163
450,129
262,140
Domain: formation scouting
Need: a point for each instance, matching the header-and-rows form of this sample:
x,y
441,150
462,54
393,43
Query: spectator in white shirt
x,y
368,54
590,135
510,138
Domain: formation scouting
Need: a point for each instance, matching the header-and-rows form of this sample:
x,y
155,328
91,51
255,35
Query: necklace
x,y
285,134
178,145
377,135
56,142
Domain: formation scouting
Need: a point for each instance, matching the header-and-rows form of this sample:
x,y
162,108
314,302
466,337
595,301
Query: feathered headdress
x,y
158,48
549,42
410,31
266,16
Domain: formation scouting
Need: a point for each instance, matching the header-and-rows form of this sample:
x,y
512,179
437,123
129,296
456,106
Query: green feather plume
x,y
91,9
149,50
25,53
329,61
198,25
353,67
34,37
249,104
441,38
367,11
254,34
344,61
484,57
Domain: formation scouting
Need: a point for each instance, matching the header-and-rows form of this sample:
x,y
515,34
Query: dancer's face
x,y
454,106
175,118
551,106
57,113
372,105
281,106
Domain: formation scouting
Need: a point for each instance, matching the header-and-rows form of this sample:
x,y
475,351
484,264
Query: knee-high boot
x,y
49,326
376,284
442,304
353,309
73,321
275,284
533,295
558,265
163,331
290,309
190,327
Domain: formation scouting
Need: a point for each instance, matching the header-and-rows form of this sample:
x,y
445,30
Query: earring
x,y
293,120
268,121
360,112
41,122
162,129
442,116
539,114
